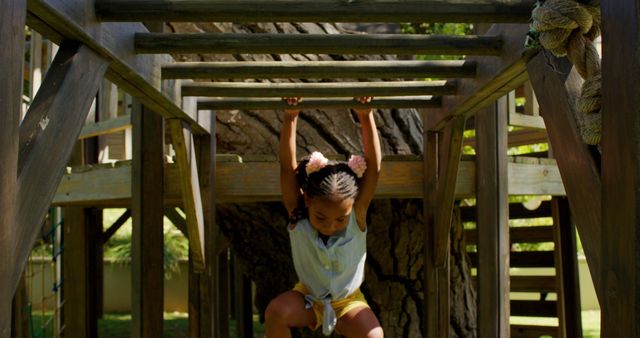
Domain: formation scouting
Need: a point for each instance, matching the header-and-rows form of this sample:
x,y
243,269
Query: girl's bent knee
x,y
376,333
277,311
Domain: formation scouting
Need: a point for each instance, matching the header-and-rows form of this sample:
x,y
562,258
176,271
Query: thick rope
x,y
568,28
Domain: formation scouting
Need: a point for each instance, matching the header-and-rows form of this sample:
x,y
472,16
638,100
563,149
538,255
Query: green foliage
x,y
438,29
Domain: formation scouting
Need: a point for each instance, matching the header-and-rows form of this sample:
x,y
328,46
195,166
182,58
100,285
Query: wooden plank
x,y
568,286
322,89
541,284
12,20
314,11
105,127
516,211
449,153
138,75
531,106
109,185
524,259
147,273
526,121
337,103
183,145
545,180
620,301
556,88
534,308
47,136
519,137
267,43
495,77
387,69
533,331
116,226
531,234
493,221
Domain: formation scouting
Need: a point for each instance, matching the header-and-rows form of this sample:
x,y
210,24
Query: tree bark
x,y
257,232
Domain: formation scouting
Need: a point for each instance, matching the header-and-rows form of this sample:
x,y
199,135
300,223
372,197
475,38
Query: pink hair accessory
x,y
358,164
316,162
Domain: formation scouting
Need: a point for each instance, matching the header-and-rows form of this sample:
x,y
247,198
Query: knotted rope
x,y
568,28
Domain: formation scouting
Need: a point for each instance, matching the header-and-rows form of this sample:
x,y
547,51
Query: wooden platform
x,y
257,180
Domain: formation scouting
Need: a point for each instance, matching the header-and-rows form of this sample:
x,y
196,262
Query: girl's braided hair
x,y
336,179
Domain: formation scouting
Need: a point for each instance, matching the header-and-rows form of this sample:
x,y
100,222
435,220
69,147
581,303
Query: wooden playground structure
x,y
108,40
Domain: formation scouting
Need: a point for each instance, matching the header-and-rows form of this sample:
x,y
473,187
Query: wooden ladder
x,y
566,308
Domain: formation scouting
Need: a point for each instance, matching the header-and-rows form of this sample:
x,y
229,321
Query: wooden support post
x,y
495,76
265,43
313,11
566,263
47,136
620,275
492,221
147,212
76,287
178,221
184,147
436,292
449,152
322,89
205,311
12,20
320,69
243,301
20,322
556,86
334,103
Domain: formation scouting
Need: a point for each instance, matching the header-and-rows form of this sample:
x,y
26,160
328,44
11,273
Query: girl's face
x,y
329,215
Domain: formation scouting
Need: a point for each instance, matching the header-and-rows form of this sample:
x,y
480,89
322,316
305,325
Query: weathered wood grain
x,y
183,145
250,11
139,75
493,220
324,89
334,103
111,186
47,136
319,69
266,43
556,88
620,223
495,76
147,210
12,20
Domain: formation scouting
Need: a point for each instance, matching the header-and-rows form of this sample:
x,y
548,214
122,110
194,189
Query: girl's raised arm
x,y
373,156
288,183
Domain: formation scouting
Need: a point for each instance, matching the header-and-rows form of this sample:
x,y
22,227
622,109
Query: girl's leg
x,y
359,323
287,311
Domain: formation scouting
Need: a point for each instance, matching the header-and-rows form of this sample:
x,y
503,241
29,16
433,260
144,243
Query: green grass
x,y
590,323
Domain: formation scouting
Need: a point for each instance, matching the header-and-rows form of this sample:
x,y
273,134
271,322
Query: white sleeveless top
x,y
332,271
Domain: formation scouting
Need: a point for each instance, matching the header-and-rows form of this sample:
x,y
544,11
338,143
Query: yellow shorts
x,y
341,307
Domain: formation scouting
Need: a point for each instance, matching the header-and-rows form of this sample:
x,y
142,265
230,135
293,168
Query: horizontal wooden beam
x,y
323,89
137,74
335,103
106,127
314,11
232,43
110,185
320,69
495,76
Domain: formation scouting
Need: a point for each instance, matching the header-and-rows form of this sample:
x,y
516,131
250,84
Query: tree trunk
x,y
257,232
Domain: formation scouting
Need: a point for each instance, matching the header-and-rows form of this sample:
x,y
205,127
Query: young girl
x,y
327,204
